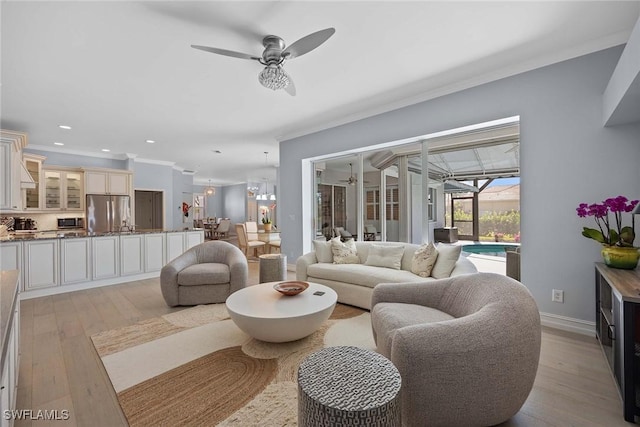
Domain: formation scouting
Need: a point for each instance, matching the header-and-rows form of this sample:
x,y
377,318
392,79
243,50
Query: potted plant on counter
x,y
617,242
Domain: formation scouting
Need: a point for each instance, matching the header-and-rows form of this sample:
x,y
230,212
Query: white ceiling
x,y
121,72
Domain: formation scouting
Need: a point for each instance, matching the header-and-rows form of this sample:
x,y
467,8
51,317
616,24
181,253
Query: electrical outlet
x,y
557,295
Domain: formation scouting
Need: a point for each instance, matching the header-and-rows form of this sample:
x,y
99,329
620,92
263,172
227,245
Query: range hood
x,y
26,180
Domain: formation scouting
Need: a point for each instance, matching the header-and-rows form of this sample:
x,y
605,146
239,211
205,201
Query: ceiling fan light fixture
x,y
274,77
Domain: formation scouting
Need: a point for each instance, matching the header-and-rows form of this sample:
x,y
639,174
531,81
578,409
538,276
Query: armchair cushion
x,y
207,273
388,317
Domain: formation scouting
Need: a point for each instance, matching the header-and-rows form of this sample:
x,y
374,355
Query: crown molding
x,y
102,155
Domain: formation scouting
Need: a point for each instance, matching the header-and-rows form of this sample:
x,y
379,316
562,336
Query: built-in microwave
x,y
70,223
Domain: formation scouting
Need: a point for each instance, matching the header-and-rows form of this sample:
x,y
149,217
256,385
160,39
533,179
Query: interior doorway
x,y
149,210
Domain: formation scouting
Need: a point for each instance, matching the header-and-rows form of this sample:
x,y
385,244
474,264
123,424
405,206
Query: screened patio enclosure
x,y
401,193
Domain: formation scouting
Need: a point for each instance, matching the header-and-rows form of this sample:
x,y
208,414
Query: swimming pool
x,y
492,249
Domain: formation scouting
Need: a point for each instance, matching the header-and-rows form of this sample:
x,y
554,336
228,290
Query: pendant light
x,y
210,190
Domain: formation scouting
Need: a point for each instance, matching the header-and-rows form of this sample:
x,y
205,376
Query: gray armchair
x,y
467,347
205,274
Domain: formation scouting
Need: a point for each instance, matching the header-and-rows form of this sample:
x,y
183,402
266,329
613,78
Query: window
x,y
393,206
373,204
431,204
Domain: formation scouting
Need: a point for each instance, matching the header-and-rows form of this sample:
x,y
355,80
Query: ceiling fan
x,y
352,180
275,54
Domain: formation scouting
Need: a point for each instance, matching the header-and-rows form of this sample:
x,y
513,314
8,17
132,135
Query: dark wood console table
x,y
618,330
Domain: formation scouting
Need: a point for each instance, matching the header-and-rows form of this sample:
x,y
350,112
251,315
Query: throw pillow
x,y
323,250
447,257
385,256
424,258
344,252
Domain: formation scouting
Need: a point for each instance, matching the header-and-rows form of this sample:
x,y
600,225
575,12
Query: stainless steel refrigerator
x,y
107,213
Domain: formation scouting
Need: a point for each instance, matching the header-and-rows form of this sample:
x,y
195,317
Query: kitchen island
x,y
54,262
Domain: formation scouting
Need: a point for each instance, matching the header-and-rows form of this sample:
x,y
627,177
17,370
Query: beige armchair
x,y
205,274
467,347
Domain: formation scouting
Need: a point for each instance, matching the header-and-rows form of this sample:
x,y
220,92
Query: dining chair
x,y
252,230
244,243
223,228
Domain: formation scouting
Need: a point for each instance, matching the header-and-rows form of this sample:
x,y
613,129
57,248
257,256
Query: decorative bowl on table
x,y
292,287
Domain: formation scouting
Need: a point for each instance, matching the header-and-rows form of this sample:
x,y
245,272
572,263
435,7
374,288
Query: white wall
x,y
567,157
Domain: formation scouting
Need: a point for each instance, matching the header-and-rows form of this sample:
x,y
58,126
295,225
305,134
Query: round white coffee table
x,y
267,315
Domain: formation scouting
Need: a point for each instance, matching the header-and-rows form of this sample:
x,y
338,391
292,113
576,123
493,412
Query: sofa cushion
x,y
424,258
209,273
360,274
323,250
344,252
388,317
447,257
385,256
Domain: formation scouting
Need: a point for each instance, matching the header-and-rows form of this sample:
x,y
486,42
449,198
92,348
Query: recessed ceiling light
x,y
151,141
58,143
106,150
65,127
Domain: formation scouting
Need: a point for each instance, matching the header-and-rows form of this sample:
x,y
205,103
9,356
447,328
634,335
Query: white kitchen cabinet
x,y
11,169
154,252
131,254
106,257
193,238
75,260
108,182
175,245
63,190
11,256
40,261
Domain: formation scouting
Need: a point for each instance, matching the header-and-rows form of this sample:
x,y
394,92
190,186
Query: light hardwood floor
x,y
59,368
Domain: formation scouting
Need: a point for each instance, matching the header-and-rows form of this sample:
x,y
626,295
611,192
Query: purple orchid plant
x,y
618,236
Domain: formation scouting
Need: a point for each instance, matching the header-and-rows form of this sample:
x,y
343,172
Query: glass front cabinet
x,y
63,190
32,197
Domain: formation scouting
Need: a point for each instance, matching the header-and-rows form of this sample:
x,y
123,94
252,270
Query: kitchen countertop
x,y
8,301
67,234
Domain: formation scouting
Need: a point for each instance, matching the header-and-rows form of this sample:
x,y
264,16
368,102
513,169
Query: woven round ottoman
x,y
348,386
273,268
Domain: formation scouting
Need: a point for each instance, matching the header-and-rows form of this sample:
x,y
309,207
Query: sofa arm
x,y
169,276
303,263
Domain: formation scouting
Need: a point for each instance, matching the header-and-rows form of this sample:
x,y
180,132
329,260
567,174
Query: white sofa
x,y
354,283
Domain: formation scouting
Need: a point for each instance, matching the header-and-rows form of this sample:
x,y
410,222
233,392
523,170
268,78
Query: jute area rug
x,y
196,368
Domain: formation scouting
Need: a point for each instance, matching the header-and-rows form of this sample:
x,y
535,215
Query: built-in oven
x,y
70,223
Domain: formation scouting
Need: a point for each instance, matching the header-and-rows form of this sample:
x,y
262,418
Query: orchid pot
x,y
617,240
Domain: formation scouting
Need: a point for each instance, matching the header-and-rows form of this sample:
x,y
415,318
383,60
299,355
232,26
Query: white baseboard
x,y
36,293
570,324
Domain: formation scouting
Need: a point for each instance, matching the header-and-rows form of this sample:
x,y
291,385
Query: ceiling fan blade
x,y
291,88
308,43
226,52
